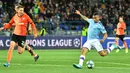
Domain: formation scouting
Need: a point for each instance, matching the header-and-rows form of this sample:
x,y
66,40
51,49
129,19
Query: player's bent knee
x,y
19,52
102,53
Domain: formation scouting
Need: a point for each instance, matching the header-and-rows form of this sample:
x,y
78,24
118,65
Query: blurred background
x,y
57,17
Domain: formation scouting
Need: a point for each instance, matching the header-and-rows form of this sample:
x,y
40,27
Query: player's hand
x,y
35,35
1,28
77,12
102,40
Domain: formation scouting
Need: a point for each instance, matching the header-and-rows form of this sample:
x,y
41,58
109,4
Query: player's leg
x,y
20,44
23,45
116,42
13,43
126,47
31,51
100,49
103,53
82,56
97,45
81,59
124,43
20,50
10,52
108,50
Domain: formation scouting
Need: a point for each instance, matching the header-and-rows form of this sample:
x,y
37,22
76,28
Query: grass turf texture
x,y
60,61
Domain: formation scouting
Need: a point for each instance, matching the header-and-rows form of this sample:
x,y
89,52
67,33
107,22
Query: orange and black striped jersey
x,y
121,28
21,24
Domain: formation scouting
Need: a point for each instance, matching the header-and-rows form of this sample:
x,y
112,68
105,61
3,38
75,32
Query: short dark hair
x,y
20,6
96,13
121,16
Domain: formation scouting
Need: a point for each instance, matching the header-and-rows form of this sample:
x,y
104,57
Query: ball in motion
x,y
90,64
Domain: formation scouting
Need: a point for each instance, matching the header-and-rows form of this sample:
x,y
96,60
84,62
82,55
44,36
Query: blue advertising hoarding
x,y
47,42
58,42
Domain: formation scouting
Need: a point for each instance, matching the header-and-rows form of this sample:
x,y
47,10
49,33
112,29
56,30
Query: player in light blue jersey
x,y
94,30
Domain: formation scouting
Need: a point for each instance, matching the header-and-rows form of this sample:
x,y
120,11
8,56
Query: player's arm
x,y
104,37
32,26
7,25
104,32
84,17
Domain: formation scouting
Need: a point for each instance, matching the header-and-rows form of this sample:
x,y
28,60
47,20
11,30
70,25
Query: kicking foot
x,y
36,58
77,66
6,64
116,46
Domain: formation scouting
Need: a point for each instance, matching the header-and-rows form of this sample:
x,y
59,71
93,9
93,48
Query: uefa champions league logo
x,y
76,42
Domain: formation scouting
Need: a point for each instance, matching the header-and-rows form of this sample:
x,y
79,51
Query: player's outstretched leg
x,y
30,50
107,51
126,50
113,46
81,59
10,52
126,47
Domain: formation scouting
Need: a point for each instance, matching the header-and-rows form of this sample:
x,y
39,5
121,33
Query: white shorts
x,y
93,43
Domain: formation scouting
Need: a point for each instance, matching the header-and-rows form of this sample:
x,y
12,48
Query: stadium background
x,y
60,35
57,17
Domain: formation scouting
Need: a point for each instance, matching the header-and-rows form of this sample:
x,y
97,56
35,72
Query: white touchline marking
x,y
52,65
115,63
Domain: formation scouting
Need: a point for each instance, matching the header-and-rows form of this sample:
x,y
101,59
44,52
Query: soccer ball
x,y
90,64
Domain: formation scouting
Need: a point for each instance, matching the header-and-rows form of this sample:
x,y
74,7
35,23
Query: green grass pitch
x,y
60,61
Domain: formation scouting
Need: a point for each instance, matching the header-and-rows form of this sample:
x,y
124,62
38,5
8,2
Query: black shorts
x,y
20,40
121,37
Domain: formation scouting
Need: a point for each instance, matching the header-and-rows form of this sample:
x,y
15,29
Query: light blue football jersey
x,y
95,29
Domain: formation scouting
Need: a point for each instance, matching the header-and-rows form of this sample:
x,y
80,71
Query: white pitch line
x,y
115,63
38,65
113,68
50,65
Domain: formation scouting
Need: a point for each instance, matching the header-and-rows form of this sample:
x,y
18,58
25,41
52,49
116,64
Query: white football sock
x,y
110,48
81,60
